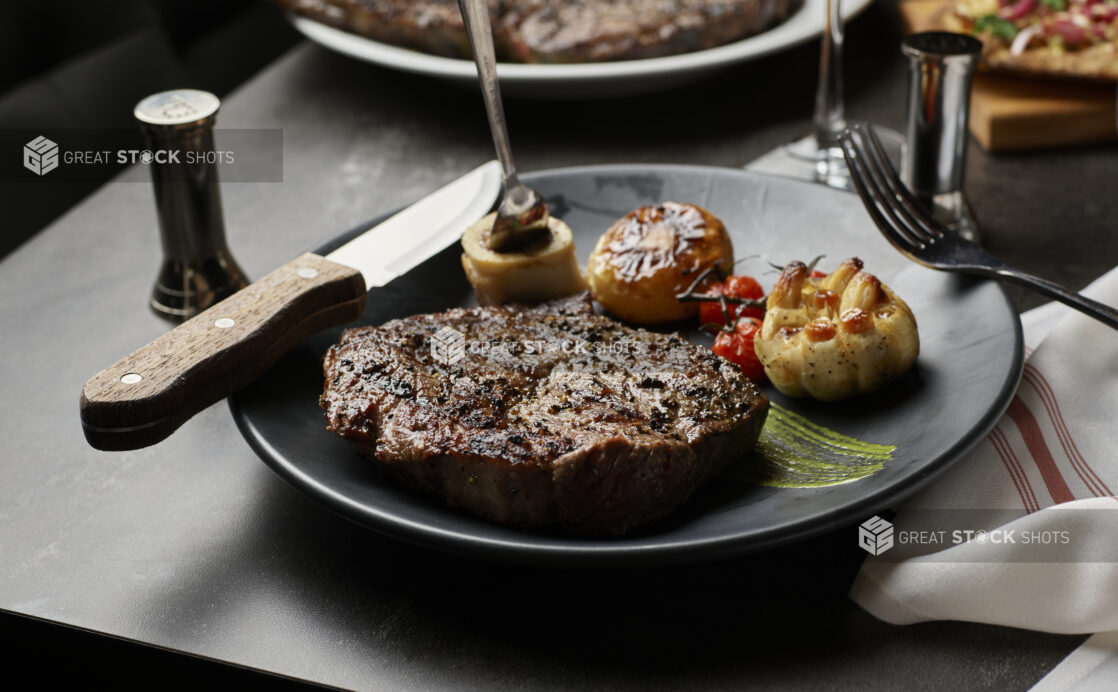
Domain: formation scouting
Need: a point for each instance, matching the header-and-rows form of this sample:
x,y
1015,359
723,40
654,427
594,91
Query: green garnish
x,y
996,26
794,452
1058,5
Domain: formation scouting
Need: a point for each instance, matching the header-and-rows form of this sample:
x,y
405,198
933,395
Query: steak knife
x,y
146,396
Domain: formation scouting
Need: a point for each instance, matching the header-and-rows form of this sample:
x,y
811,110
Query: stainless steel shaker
x,y
198,269
941,66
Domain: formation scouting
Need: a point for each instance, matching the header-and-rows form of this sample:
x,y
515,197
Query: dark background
x,y
74,64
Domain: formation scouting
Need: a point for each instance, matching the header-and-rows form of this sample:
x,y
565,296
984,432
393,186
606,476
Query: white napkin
x,y
1053,453
1093,667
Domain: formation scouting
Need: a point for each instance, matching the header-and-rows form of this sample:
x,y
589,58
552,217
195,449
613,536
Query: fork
x,y
912,230
522,215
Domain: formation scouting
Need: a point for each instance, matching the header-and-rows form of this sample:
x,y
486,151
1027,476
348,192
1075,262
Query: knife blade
x,y
426,227
144,397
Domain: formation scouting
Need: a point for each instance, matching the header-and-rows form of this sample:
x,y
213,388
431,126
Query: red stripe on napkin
x,y
1030,431
1091,479
1016,473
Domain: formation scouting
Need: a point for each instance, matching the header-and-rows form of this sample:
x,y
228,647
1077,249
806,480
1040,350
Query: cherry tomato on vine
x,y
739,286
737,347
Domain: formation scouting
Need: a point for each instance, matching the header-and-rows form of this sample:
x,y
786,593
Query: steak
x,y
555,31
431,26
546,416
574,31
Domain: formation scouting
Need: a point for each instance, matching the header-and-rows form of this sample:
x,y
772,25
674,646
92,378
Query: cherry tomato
x,y
737,347
745,287
710,312
735,287
816,274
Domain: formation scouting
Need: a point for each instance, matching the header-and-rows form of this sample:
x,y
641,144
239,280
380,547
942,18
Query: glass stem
x,y
829,120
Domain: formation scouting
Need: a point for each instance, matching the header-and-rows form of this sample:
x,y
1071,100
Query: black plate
x,y
970,361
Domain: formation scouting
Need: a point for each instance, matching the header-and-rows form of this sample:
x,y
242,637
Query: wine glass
x,y
818,157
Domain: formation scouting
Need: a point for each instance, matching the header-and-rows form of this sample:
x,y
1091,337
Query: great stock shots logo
x,y
448,345
40,155
875,536
95,155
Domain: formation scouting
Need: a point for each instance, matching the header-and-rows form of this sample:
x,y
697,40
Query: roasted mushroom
x,y
653,253
543,270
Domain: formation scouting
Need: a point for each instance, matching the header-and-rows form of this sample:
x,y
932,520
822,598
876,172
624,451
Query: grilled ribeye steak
x,y
548,415
432,26
556,31
575,31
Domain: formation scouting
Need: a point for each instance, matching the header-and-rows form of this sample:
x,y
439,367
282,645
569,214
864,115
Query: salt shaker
x,y
941,65
198,269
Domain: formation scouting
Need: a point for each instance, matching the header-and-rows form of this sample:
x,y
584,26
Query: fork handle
x,y
1103,313
479,31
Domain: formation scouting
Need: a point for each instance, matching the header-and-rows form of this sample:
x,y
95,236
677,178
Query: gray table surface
x,y
196,546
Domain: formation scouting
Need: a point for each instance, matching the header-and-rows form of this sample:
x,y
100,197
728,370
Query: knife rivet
x,y
224,323
307,273
131,378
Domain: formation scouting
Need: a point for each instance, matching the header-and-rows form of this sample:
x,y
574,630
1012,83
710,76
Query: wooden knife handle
x,y
145,397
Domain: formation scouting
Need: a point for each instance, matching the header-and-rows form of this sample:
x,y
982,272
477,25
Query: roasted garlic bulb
x,y
836,336
650,255
541,271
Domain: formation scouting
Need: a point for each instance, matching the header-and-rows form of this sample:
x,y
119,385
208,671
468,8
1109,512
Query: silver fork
x,y
903,220
522,215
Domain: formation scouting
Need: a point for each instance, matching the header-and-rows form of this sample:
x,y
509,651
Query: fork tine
x,y
882,171
872,195
918,218
888,201
878,199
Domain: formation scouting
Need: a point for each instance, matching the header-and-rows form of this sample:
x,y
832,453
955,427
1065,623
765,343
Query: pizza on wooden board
x,y
1064,38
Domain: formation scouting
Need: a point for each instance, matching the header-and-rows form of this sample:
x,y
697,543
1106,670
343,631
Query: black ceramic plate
x,y
970,361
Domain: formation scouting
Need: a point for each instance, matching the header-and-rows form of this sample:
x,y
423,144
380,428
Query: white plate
x,y
629,76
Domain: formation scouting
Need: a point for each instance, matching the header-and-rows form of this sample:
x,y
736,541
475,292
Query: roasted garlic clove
x,y
836,336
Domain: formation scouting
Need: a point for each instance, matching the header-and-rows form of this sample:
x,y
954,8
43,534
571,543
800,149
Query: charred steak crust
x,y
431,26
550,416
556,31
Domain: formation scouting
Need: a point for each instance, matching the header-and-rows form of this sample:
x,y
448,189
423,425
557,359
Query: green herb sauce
x,y
793,452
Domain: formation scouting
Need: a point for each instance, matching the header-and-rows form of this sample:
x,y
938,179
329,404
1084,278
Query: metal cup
x,y
941,65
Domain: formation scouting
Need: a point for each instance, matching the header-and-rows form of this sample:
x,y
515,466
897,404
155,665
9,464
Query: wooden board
x,y
1015,113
